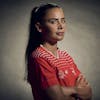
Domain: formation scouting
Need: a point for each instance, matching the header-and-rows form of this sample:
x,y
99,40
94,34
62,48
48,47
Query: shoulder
x,y
40,53
64,54
39,56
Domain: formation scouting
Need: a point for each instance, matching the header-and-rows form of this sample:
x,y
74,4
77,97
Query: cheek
x,y
52,28
65,27
49,29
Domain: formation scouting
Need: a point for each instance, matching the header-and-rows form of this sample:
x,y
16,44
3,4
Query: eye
x,y
63,21
52,21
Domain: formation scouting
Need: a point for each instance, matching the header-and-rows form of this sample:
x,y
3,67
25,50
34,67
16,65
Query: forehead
x,y
54,13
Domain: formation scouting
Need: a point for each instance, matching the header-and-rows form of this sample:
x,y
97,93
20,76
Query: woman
x,y
52,73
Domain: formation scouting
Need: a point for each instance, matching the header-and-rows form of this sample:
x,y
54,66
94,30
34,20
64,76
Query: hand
x,y
83,88
81,81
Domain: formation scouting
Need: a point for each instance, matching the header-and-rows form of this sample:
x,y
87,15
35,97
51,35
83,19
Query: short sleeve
x,y
46,73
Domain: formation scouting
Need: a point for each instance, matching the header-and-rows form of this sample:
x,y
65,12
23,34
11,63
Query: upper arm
x,y
47,76
47,79
43,72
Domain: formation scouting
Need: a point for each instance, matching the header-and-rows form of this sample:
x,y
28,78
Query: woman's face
x,y
53,27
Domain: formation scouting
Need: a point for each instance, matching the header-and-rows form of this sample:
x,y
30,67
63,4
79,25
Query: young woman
x,y
52,73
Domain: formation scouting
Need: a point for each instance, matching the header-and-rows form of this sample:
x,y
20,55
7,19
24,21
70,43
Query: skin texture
x,y
53,26
52,31
83,88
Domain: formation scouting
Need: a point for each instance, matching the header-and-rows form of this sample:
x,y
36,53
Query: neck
x,y
51,47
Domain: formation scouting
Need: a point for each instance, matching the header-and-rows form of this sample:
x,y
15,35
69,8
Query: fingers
x,y
79,78
81,81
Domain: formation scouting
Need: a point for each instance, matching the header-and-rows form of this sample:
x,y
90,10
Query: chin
x,y
60,39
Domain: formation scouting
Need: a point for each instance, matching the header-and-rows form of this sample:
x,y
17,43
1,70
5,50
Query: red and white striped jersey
x,y
49,70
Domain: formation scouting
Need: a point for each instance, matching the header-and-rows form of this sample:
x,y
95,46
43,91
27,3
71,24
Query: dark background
x,y
82,42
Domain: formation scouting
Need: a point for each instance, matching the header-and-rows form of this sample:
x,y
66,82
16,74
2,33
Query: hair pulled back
x,y
35,37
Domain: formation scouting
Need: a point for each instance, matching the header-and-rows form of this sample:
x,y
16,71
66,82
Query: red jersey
x,y
47,70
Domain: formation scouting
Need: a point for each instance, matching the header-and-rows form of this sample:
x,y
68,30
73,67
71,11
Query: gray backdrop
x,y
81,41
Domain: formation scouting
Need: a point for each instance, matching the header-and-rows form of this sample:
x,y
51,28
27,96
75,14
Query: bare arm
x,y
69,91
57,93
81,90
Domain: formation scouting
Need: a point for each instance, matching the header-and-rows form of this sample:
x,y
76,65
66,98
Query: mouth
x,y
60,33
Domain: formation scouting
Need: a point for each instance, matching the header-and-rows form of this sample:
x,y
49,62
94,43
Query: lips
x,y
60,33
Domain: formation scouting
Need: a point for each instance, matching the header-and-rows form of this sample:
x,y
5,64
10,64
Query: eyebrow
x,y
55,18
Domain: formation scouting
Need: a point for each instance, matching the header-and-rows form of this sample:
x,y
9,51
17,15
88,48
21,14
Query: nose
x,y
60,26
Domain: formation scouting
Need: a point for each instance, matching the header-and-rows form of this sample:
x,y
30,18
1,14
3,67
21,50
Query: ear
x,y
38,27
